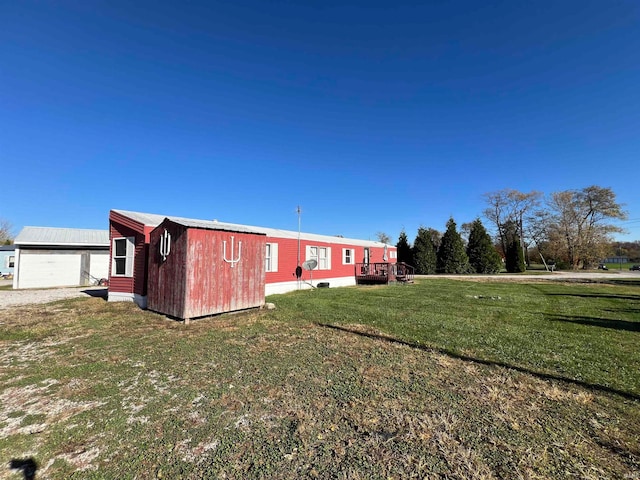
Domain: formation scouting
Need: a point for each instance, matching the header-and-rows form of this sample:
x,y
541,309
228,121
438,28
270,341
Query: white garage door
x,y
41,270
99,266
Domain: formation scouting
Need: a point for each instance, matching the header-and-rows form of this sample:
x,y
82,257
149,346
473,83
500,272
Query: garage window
x,y
122,250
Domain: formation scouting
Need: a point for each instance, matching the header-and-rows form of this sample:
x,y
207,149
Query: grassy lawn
x,y
441,379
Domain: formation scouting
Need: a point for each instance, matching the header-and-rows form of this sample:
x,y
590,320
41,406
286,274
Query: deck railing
x,y
384,272
404,272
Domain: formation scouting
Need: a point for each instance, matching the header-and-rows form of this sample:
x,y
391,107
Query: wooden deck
x,y
383,273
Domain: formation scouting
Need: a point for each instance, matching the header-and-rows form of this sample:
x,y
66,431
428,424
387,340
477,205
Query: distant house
x,y
7,259
59,257
140,261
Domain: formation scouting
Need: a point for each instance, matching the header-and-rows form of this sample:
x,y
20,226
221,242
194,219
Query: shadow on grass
x,y
28,466
597,322
97,292
466,358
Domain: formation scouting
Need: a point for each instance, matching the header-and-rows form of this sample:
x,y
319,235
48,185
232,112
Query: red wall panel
x,y
195,280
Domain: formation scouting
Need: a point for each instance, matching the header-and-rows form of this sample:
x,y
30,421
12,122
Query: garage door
x,y
99,265
41,270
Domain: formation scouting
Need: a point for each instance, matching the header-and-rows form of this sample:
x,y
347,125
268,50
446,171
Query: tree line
x,y
570,229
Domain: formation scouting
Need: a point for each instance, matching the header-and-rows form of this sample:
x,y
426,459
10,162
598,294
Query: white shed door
x,y
42,270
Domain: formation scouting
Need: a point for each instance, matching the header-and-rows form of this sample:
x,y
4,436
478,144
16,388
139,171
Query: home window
x,y
320,254
11,260
122,250
393,254
271,258
347,256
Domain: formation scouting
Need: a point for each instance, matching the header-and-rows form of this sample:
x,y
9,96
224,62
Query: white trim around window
x,y
122,256
321,254
348,255
271,258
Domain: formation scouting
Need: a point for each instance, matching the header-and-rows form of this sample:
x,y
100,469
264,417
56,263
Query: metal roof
x,y
153,220
214,225
62,237
147,219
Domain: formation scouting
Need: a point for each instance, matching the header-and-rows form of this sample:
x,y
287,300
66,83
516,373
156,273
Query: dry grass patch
x,y
108,391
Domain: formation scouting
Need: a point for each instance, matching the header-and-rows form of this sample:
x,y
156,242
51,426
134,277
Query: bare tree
x,y
6,230
537,230
510,208
580,223
383,238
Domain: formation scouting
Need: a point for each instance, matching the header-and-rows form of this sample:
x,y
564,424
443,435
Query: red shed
x,y
200,268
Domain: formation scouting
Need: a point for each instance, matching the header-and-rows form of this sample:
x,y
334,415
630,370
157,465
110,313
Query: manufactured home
x,y
135,270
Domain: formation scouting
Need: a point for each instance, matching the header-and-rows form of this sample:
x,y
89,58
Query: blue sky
x,y
372,116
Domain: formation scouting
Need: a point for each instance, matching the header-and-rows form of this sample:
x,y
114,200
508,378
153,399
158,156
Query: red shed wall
x,y
213,285
167,278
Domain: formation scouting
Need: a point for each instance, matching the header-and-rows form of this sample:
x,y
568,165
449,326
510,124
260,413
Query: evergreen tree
x,y
483,256
404,250
424,253
514,260
451,256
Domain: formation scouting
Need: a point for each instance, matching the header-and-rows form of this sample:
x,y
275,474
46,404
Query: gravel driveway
x,y
10,298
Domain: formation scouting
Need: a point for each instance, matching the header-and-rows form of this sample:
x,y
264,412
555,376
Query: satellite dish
x,y
310,264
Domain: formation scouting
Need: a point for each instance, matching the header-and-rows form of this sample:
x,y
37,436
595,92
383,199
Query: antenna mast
x,y
299,212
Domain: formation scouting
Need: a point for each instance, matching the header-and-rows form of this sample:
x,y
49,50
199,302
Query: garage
x,y
49,257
